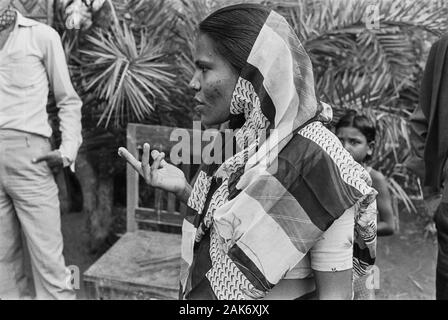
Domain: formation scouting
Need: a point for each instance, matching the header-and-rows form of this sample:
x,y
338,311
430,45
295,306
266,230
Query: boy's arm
x,y
334,285
384,205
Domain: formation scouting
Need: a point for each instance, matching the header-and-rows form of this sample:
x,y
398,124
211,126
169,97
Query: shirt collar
x,y
24,22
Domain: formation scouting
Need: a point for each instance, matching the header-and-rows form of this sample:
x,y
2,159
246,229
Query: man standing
x,y
32,60
429,133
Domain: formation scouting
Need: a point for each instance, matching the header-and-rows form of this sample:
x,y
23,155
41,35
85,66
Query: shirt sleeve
x,y
418,132
67,100
419,119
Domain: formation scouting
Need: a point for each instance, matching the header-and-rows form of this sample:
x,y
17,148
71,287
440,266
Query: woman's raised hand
x,y
158,175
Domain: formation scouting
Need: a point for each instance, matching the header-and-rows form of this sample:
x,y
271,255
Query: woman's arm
x,y
332,259
184,195
384,204
334,285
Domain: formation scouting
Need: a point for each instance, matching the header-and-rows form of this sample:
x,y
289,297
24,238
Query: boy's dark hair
x,y
234,30
360,122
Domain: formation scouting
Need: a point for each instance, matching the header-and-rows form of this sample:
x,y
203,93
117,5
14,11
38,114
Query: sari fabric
x,y
253,218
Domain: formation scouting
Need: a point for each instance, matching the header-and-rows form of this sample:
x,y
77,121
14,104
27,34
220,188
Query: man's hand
x,y
53,159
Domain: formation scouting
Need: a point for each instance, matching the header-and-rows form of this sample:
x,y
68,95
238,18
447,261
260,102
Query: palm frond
x,y
127,73
382,61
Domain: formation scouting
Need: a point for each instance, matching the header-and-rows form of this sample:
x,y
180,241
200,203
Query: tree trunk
x,y
97,191
64,193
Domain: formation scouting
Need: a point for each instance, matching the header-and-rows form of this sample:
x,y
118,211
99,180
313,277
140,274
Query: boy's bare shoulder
x,y
377,177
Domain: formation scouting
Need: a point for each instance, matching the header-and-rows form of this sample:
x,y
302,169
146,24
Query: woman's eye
x,y
202,68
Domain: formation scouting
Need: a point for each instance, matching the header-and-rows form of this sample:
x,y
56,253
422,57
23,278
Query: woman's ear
x,y
371,146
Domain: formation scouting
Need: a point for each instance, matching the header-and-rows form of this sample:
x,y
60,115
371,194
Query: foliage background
x,y
134,62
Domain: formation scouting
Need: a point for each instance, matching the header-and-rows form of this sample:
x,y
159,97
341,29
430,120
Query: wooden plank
x,y
118,273
131,182
109,289
153,226
158,202
161,139
171,203
164,218
158,137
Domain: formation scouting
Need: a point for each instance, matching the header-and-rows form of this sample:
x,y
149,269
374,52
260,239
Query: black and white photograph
x,y
245,151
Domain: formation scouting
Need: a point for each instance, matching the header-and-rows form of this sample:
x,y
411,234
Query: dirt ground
x,y
406,260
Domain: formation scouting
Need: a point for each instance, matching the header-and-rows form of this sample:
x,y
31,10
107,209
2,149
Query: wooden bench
x,y
145,262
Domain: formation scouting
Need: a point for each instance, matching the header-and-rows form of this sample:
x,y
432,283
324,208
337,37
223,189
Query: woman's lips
x,y
199,108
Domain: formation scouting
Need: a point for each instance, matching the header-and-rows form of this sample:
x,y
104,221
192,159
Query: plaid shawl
x,y
252,219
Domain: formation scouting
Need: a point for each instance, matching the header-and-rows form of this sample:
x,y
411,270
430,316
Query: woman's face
x,y
355,142
214,81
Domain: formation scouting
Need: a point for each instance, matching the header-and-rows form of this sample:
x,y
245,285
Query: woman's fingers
x,y
146,154
156,165
154,154
124,153
146,168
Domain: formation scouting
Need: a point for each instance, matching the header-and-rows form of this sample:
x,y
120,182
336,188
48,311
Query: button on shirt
x,y
31,61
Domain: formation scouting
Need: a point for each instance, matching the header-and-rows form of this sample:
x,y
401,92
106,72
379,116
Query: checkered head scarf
x,y
7,18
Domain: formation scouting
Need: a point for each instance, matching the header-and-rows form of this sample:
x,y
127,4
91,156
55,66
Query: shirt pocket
x,y
25,71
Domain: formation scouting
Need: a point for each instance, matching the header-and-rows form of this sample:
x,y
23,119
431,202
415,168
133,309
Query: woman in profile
x,y
275,220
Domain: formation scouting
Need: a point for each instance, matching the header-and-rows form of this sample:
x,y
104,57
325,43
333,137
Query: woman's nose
x,y
195,84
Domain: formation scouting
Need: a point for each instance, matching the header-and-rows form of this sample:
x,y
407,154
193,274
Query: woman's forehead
x,y
207,53
204,47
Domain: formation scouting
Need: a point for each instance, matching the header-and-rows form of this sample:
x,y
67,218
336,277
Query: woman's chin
x,y
207,122
211,121
200,118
